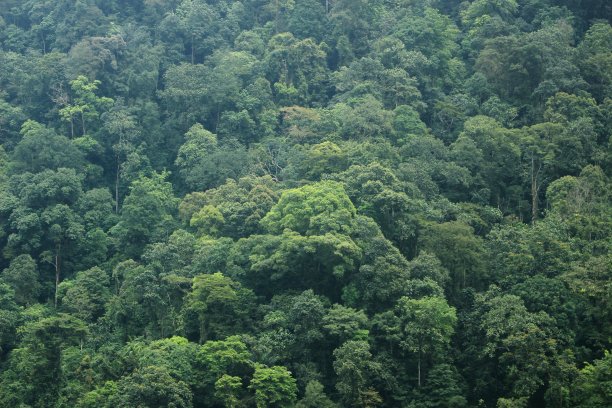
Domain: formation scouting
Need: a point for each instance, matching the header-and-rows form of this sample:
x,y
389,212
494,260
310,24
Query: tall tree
x,y
426,327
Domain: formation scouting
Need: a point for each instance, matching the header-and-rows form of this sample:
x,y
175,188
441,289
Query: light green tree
x,y
426,325
273,387
86,105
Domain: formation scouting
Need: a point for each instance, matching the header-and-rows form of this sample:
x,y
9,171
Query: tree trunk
x,y
535,187
276,19
83,122
419,368
117,186
57,272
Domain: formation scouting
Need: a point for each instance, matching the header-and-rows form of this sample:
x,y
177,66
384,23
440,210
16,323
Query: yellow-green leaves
x,y
312,210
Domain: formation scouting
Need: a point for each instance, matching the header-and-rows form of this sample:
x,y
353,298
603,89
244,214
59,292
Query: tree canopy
x,y
305,203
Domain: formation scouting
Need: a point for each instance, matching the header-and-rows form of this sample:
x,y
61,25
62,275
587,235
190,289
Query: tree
x,y
478,9
231,72
151,387
195,20
355,370
86,104
208,220
443,387
589,281
308,19
580,202
406,121
292,331
94,57
383,273
221,366
203,163
219,306
175,355
147,214
11,119
140,304
199,144
22,276
95,207
242,204
296,69
275,262
427,325
273,386
352,19
459,251
594,59
519,344
323,158
227,389
314,397
63,228
44,341
543,65
9,319
362,118
42,149
428,266
591,388
378,193
345,323
305,203
86,295
121,126
185,92
42,221
314,209
494,148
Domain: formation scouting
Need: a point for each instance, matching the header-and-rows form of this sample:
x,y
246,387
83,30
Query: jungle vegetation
x,y
305,203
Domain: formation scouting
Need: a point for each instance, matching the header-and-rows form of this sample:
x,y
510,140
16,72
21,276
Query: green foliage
x,y
86,104
443,387
223,356
458,250
147,213
226,390
593,384
174,354
41,148
273,386
426,326
314,396
208,220
355,371
345,323
22,276
386,203
9,316
37,363
312,210
241,204
522,343
86,295
150,387
594,58
213,300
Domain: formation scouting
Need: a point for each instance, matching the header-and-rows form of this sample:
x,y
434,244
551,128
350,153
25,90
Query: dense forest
x,y
305,203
